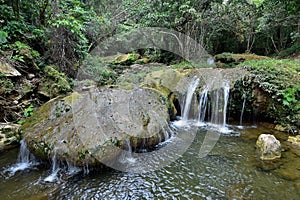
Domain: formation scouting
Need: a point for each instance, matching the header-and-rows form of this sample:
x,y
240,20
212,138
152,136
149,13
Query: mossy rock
x,y
228,60
126,59
94,127
54,83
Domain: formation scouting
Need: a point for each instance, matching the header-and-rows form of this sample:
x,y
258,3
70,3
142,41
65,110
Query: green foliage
x,y
56,83
96,69
289,51
3,37
6,85
27,113
280,79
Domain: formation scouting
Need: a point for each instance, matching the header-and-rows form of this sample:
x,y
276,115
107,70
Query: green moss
x,y
280,80
54,83
126,59
230,60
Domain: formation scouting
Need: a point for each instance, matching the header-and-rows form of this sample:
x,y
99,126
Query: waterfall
x,y
25,160
55,169
243,108
189,96
72,169
226,96
219,103
202,105
127,155
187,103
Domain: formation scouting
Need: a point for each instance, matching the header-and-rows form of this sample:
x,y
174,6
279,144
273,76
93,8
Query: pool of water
x,y
231,170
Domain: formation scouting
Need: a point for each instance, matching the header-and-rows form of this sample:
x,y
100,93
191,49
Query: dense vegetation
x,y
61,33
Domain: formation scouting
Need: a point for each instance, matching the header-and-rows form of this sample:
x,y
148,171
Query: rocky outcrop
x,y
268,146
95,126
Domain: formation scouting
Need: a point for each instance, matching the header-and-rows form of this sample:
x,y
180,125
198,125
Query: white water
x,y
187,103
226,96
55,169
25,160
243,108
127,155
202,105
216,107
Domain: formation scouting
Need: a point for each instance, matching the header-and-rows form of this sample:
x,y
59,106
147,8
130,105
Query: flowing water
x,y
230,171
243,108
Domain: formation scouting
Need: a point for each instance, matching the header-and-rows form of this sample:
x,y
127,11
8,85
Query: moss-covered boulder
x,y
95,126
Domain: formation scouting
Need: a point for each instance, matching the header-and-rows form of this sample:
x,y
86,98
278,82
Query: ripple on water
x,y
229,171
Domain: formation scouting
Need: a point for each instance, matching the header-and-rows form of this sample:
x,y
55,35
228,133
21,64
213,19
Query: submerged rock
x,y
269,147
95,126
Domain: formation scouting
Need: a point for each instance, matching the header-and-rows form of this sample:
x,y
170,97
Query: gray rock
x,y
8,70
269,147
95,126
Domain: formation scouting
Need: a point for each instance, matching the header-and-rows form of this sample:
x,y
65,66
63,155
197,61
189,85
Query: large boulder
x,y
94,126
269,147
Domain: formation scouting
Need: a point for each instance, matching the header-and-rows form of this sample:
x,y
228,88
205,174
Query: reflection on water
x,y
230,171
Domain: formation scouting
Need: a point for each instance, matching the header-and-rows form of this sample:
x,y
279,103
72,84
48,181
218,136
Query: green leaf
x,y
3,37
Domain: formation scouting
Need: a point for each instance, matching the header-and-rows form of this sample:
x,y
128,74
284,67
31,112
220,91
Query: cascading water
x,y
55,169
189,97
243,108
127,155
226,97
187,103
202,105
25,160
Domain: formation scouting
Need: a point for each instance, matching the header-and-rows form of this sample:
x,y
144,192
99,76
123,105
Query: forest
x,y
149,99
47,41
62,33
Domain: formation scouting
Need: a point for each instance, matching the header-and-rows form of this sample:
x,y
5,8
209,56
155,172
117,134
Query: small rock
x,y
280,128
15,102
30,76
269,147
294,140
8,70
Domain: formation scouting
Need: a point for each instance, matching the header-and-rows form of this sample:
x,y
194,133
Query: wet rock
x,y
269,147
94,126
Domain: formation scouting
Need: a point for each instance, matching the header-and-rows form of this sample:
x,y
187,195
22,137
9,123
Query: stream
x,y
231,170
